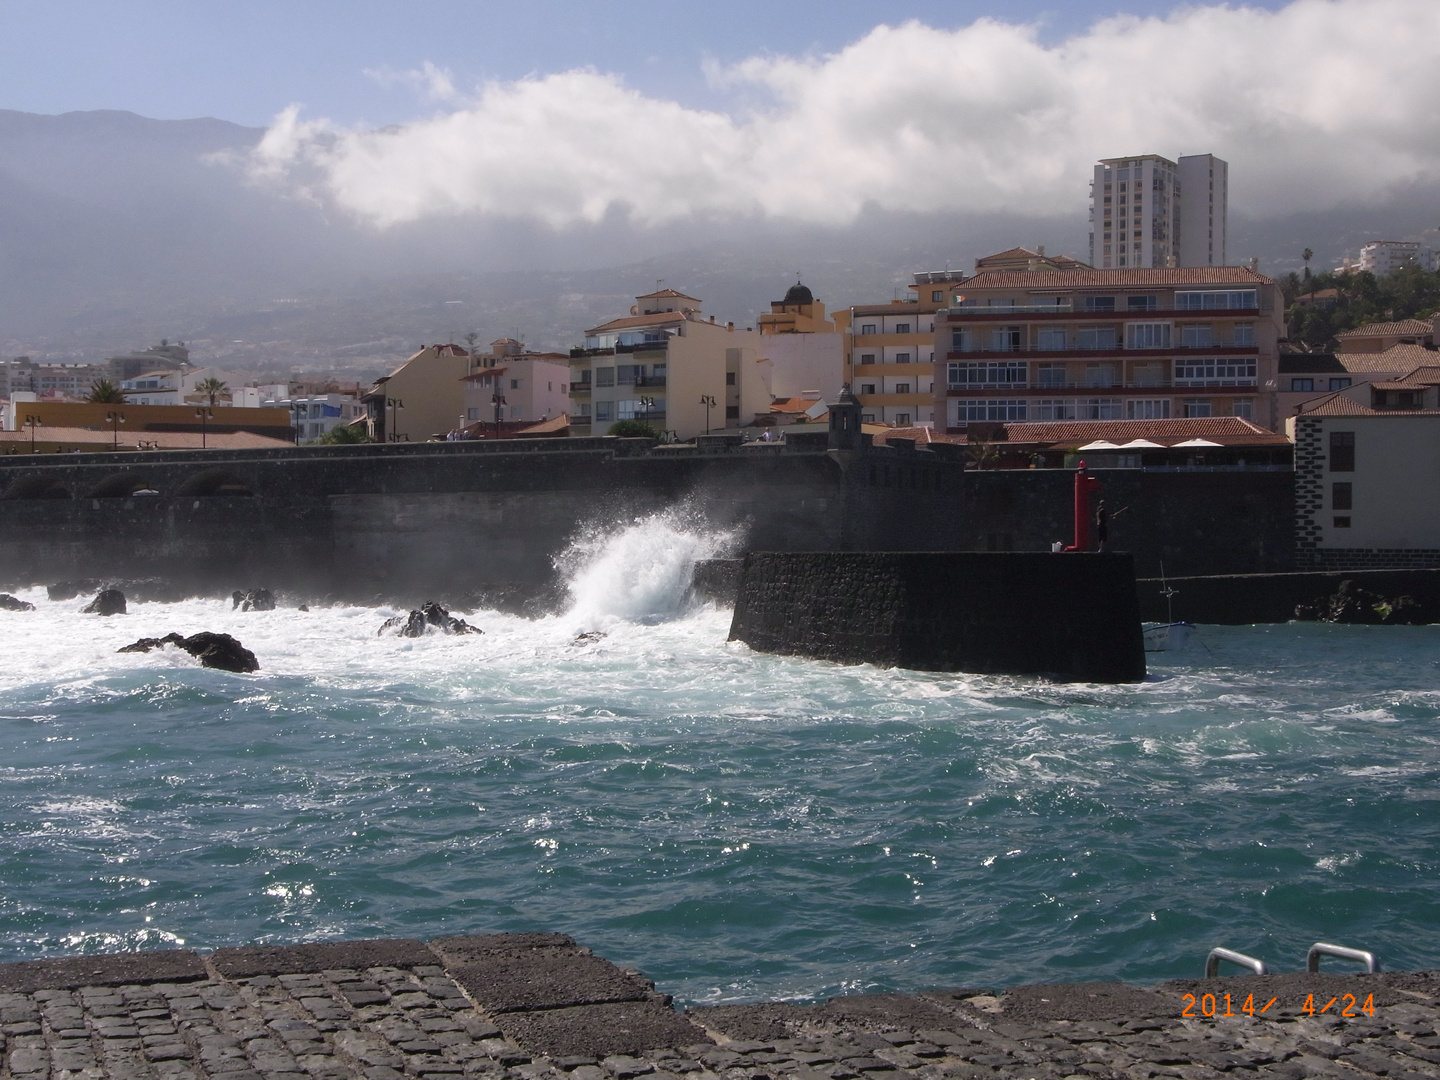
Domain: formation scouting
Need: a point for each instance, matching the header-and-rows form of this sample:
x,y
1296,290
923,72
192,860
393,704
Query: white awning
x,y
1142,444
1194,443
1099,444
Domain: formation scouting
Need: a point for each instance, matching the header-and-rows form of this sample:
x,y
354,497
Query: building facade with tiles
x,y
1128,344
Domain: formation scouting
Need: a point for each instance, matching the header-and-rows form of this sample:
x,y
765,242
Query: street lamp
x,y
32,422
203,415
115,419
394,403
297,410
499,402
708,400
646,404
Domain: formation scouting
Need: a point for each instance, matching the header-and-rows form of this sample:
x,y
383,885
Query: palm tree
x,y
212,388
1307,255
105,392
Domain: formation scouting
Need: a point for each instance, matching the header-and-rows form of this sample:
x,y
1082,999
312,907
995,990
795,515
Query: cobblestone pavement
x,y
539,1007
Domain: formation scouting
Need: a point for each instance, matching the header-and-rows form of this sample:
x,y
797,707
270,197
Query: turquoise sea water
x,y
739,826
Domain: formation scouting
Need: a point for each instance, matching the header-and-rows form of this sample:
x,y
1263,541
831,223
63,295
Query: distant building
x,y
1090,345
666,364
890,351
160,357
315,415
49,380
179,386
1364,496
1378,337
1019,258
421,399
801,362
1151,212
525,387
1386,256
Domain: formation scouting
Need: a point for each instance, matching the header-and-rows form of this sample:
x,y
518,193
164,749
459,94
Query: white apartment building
x,y
524,386
1149,212
180,387
1385,256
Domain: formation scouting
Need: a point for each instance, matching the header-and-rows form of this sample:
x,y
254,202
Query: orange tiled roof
x,y
629,322
1166,277
1421,376
668,294
544,427
1388,329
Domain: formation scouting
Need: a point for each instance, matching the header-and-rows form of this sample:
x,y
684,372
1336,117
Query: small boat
x,y
1167,636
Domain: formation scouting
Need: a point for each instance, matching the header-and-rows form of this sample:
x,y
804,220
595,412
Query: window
x,y
1148,409
1005,339
987,374
902,358
867,328
1302,385
1050,375
1244,408
1100,409
867,418
626,410
1096,337
604,376
938,296
472,415
626,374
1244,334
1342,494
1339,384
729,378
902,388
902,419
867,358
1148,375
514,384
1099,303
604,411
1102,375
965,341
1217,301
867,388
1147,336
1141,303
1050,339
1197,336
732,412
992,409
1196,407
1052,409
1240,372
1342,451
585,412
902,328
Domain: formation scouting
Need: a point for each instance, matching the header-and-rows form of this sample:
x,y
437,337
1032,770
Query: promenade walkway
x,y
539,1007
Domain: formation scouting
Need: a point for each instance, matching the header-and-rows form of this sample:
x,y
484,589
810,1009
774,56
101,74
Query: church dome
x,y
799,294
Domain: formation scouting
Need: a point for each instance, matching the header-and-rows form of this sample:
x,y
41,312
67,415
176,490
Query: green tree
x,y
105,392
634,429
344,435
1307,255
212,388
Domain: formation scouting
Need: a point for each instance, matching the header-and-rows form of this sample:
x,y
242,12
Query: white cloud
x,y
429,81
1319,103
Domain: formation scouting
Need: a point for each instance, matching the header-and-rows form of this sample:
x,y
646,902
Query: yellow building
x,y
889,352
423,398
127,427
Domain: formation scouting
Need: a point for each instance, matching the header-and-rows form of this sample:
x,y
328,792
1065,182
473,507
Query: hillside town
x,y
1159,353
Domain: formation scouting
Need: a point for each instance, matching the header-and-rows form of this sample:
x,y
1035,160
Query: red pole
x,y
1084,520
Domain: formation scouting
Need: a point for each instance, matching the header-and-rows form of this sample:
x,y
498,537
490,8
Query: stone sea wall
x,y
1069,615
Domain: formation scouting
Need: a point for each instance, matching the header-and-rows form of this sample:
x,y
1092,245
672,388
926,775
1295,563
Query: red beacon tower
x,y
1085,485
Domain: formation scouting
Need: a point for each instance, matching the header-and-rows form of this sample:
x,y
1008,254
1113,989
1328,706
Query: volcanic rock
x,y
254,600
1353,604
213,650
11,603
106,602
419,621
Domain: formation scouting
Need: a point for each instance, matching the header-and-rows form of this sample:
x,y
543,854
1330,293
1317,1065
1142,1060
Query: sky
x,y
580,113
245,61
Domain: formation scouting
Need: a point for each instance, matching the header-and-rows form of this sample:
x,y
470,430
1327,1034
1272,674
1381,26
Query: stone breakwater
x,y
539,1007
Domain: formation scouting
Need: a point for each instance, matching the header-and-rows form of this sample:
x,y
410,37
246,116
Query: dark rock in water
x,y
254,600
1355,605
303,607
12,603
106,602
68,590
213,650
589,637
431,614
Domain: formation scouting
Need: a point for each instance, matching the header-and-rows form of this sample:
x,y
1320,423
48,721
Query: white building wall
x,y
1204,209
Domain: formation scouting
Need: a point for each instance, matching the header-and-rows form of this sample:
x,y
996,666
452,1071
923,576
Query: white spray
x,y
639,572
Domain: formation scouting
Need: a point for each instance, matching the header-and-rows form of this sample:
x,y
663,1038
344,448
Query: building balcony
x,y
649,380
1117,351
1047,313
644,346
1070,389
585,354
582,387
